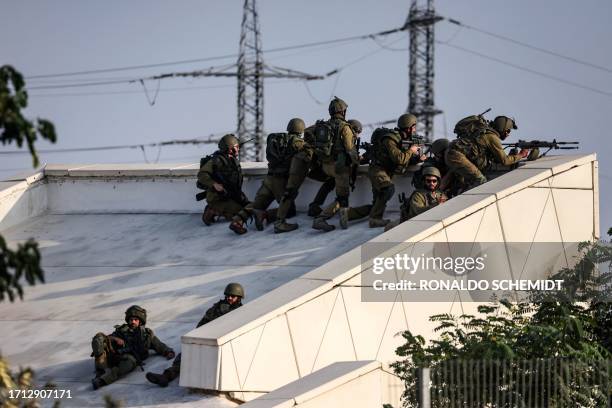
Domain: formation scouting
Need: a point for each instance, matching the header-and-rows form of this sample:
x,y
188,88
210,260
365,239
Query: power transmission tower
x,y
420,24
250,85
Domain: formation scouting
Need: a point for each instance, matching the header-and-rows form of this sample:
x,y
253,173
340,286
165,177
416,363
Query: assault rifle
x,y
537,144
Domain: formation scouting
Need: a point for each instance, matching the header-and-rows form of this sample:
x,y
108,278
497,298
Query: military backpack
x,y
324,138
379,155
203,161
468,131
278,149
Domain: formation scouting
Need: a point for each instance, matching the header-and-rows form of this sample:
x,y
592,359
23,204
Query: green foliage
x,y
24,262
570,330
14,127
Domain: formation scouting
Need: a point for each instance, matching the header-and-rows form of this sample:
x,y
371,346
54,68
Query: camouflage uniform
x,y
225,170
420,201
469,157
113,361
388,158
274,184
338,165
217,310
304,164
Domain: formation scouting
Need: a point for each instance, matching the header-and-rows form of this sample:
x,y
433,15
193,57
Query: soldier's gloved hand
x,y
169,355
534,154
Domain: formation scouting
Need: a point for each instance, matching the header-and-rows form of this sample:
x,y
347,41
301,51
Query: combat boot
x,y
237,226
321,224
378,222
208,217
392,225
160,379
343,213
97,383
314,210
260,217
282,226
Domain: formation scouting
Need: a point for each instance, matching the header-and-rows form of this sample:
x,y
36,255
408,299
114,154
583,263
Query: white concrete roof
x,y
96,265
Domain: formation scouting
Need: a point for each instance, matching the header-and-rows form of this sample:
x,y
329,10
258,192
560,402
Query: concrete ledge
x,y
332,383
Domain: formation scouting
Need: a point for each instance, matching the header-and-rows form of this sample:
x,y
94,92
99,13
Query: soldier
x,y
334,146
126,348
425,198
221,177
280,149
388,158
234,293
471,154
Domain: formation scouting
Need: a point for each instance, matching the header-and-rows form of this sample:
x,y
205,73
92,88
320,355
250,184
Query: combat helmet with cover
x,y
234,289
337,105
138,312
432,171
296,125
502,124
406,121
439,146
355,125
227,142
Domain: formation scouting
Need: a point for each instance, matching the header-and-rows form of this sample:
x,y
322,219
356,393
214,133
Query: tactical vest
x,y
279,152
137,341
228,172
380,155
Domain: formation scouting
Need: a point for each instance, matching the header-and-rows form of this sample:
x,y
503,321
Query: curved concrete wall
x,y
319,319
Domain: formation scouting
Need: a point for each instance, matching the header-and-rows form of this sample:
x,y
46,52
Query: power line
x,y
526,69
210,140
180,89
532,47
220,57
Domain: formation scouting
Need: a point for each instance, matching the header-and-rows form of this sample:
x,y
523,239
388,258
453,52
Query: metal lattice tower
x,y
250,86
420,24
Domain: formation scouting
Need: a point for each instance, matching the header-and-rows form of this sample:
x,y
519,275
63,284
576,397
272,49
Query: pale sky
x,y
50,37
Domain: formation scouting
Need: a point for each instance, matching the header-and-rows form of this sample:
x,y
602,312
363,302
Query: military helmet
x,y
296,125
337,105
431,171
439,145
138,312
503,123
227,142
234,289
407,120
355,125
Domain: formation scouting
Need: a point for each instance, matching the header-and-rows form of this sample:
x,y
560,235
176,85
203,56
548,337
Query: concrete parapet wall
x,y
164,188
319,318
21,198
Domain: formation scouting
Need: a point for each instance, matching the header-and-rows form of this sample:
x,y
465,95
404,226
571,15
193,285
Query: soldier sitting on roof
x,y
126,348
234,293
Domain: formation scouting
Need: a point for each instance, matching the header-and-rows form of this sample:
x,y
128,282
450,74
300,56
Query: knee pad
x,y
343,201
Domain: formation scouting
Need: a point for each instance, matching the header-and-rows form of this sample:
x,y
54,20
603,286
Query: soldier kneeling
x,y
126,348
234,293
